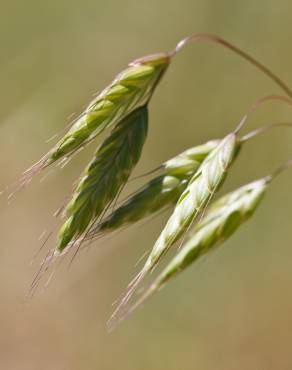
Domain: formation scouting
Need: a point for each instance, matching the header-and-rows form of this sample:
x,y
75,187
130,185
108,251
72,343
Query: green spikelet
x,y
196,196
105,175
162,191
131,89
200,189
223,218
186,163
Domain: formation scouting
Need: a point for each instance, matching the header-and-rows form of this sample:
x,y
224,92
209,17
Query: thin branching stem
x,y
205,37
264,129
257,104
283,167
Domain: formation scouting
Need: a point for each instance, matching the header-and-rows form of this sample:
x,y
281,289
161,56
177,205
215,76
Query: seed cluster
x,y
186,183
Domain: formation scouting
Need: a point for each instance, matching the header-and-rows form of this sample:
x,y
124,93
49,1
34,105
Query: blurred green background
x,y
230,311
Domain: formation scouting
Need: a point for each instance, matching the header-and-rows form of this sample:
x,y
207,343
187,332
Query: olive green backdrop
x,y
232,311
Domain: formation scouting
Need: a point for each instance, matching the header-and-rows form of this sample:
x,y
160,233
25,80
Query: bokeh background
x,y
230,311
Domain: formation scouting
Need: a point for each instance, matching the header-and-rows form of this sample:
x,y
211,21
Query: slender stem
x,y
218,40
283,167
146,173
263,129
256,104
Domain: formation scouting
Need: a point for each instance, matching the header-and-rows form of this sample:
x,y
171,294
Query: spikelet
x,y
105,175
186,163
201,187
196,196
159,193
131,89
